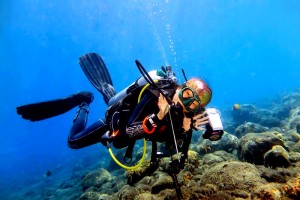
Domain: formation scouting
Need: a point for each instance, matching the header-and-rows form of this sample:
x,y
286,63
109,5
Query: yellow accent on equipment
x,y
145,143
128,167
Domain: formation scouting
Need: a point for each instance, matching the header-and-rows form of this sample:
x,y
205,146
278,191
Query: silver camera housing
x,y
214,119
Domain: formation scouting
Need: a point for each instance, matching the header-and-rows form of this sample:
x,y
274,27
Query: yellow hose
x,y
128,167
142,91
145,143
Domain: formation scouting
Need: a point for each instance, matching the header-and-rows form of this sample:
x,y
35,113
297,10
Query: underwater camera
x,y
214,129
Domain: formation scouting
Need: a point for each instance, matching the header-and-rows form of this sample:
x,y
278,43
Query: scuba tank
x,y
154,74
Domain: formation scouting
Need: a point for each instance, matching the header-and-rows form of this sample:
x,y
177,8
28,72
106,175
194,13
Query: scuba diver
x,y
155,107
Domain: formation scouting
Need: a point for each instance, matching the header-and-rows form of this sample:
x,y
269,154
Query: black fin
x,y
47,109
97,73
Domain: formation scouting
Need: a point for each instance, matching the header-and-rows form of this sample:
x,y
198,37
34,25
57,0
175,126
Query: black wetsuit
x,y
80,137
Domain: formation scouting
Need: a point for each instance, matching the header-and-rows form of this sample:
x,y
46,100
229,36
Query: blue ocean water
x,y
249,51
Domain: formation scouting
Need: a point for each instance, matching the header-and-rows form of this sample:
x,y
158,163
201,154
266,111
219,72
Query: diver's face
x,y
186,98
190,100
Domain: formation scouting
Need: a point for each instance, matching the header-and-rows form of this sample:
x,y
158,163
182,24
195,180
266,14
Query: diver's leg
x,y
44,110
79,136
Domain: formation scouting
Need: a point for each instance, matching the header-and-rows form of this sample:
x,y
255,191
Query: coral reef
x,y
96,179
257,158
260,160
217,157
249,127
246,113
228,143
253,146
232,175
277,157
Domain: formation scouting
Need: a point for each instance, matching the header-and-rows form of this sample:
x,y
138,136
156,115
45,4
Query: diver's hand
x,y
200,120
163,106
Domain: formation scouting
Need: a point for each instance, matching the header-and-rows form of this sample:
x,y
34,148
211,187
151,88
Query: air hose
x,y
145,143
129,167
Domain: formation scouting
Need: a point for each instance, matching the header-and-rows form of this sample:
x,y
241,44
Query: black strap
x,y
128,155
185,147
173,170
154,153
176,186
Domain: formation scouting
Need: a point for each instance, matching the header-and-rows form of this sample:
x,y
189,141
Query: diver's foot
x,y
83,97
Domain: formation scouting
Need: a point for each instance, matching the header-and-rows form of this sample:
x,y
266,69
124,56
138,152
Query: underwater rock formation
x,y
217,180
232,176
162,182
291,136
289,190
296,147
294,157
267,139
294,119
281,111
214,170
96,178
270,121
292,100
249,127
146,169
277,157
253,146
268,191
217,157
277,175
245,113
228,143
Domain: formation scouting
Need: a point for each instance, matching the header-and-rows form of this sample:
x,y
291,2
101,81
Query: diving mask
x,y
190,99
